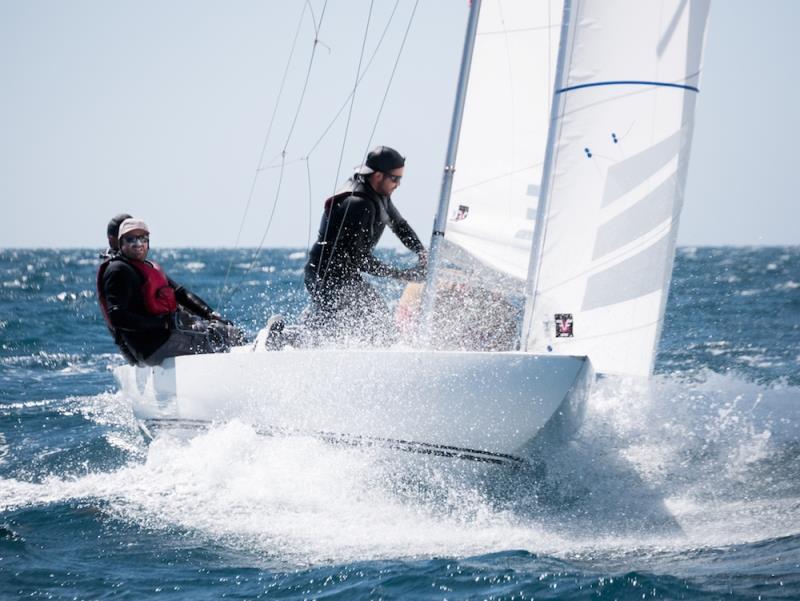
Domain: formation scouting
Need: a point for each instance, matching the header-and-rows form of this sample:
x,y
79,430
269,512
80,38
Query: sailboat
x,y
562,190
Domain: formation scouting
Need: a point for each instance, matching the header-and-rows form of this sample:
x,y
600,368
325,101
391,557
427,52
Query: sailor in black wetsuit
x,y
152,316
112,233
343,303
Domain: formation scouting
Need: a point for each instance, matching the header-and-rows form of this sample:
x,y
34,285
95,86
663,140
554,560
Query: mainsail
x,y
571,167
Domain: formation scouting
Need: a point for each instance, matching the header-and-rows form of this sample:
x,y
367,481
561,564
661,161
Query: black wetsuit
x,y
351,227
152,338
107,257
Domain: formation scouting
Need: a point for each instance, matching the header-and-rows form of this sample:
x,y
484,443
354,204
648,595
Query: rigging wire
x,y
347,99
264,144
366,69
352,93
310,206
391,77
351,98
374,127
308,77
257,252
344,143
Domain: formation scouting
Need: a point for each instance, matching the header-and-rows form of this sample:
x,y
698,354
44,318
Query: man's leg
x,y
181,342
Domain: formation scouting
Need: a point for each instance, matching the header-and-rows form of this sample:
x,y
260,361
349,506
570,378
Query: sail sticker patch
x,y
461,213
564,325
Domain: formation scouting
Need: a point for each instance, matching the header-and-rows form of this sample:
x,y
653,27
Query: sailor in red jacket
x,y
153,316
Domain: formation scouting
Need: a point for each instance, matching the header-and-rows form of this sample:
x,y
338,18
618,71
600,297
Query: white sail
x,y
614,180
497,407
498,167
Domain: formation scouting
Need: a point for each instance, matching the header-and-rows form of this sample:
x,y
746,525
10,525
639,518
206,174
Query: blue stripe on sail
x,y
632,82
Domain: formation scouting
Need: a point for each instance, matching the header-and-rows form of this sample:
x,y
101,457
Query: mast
x,y
544,196
440,220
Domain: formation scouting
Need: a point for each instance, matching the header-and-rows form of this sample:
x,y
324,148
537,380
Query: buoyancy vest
x,y
157,294
158,297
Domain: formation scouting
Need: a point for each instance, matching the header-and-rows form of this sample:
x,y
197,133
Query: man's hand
x,y
200,326
414,274
217,317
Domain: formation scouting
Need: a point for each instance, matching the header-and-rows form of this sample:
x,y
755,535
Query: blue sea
x,y
686,486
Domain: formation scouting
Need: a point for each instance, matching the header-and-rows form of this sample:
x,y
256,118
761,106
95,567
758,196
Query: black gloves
x,y
414,274
214,316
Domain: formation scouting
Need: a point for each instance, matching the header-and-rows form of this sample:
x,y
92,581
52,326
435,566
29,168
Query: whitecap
x,y
296,256
757,360
195,266
10,408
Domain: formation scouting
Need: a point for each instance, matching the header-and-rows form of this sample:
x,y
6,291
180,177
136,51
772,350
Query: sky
x,y
162,109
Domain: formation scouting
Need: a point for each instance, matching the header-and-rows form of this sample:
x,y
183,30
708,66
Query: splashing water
x,y
671,485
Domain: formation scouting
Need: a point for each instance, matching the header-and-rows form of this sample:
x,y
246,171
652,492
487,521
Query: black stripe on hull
x,y
151,427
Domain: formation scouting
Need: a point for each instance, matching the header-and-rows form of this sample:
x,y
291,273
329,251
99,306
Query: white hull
x,y
488,406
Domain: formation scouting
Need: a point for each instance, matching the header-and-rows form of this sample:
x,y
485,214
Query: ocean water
x,y
686,486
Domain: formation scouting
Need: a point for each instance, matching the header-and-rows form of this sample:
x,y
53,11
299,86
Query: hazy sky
x,y
161,108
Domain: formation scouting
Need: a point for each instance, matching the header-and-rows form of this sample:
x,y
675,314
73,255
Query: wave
x,y
64,362
669,463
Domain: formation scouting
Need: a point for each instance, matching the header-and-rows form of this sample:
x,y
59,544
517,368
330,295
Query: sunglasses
x,y
395,178
134,239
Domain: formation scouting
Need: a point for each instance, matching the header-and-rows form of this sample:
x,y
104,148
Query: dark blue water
x,y
683,487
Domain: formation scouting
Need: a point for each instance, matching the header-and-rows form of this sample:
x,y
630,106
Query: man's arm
x,y
190,301
356,239
403,231
374,266
194,304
